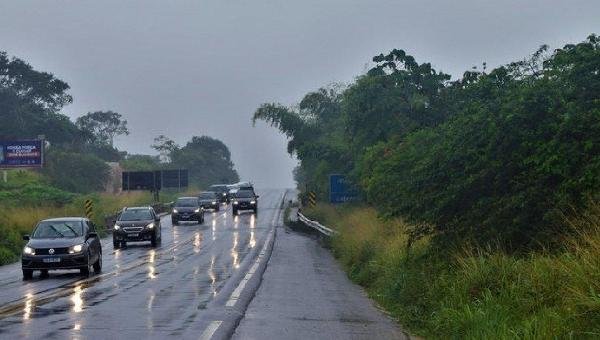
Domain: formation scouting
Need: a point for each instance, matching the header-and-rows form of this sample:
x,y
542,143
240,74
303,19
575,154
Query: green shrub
x,y
523,149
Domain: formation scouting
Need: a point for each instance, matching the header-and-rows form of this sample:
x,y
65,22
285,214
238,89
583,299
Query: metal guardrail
x,y
316,225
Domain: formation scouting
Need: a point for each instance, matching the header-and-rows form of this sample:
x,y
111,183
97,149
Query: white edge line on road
x,y
210,330
235,295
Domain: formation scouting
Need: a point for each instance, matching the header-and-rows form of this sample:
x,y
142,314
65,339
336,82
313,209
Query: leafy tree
x,y
76,172
394,98
165,146
141,163
103,126
496,156
523,150
29,104
316,135
208,161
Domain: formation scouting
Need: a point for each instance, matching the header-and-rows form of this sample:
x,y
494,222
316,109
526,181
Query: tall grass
x,y
472,293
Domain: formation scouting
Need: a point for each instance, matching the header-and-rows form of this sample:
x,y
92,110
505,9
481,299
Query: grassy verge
x,y
471,294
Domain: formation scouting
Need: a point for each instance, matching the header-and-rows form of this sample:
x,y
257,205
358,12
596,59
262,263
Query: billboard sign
x,y
175,178
155,180
21,154
141,180
341,190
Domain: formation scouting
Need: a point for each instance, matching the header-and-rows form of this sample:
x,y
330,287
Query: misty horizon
x,y
192,69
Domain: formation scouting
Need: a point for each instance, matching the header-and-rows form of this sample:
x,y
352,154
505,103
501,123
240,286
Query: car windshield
x,y
186,202
136,215
58,229
207,195
244,194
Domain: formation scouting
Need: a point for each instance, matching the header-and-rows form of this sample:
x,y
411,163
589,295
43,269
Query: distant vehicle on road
x,y
62,243
210,200
245,200
137,224
221,189
247,186
231,193
187,209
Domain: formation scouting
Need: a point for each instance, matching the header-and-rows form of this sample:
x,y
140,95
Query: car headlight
x,y
214,202
224,194
76,249
252,202
174,211
235,202
197,210
150,226
117,227
28,251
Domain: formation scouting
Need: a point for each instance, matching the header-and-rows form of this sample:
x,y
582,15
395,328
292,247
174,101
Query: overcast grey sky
x,y
184,68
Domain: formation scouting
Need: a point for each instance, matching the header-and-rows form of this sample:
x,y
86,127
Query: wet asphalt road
x,y
196,284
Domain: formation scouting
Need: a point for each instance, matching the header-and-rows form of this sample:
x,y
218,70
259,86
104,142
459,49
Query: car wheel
x,y
153,241
27,274
116,244
217,208
44,273
255,211
85,271
235,212
98,264
174,222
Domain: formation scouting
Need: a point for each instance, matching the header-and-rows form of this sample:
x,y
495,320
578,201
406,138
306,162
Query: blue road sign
x,y
21,154
341,190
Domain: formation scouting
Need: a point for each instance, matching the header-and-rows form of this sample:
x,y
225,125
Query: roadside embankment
x,y
471,292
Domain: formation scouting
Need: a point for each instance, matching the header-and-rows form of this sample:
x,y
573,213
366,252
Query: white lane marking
x,y
235,295
210,330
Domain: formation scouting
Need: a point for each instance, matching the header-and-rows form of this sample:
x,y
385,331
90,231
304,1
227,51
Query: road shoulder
x,y
305,294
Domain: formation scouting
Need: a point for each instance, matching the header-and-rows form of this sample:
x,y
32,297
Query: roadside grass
x,y
472,293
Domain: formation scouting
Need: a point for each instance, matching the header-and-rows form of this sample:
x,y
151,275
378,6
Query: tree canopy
x,y
495,156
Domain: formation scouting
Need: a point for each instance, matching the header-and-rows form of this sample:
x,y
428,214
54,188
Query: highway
x,y
197,284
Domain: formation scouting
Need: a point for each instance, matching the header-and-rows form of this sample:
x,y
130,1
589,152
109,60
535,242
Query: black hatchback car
x,y
187,209
62,243
137,224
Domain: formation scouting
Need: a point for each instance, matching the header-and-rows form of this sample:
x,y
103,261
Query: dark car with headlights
x,y
137,224
222,190
244,200
62,243
210,200
187,209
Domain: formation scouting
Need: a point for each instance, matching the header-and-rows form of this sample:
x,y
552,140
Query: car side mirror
x,y
257,196
92,235
25,237
157,219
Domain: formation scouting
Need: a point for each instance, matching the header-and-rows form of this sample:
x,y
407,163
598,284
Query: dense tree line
x,y
30,104
207,159
495,156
